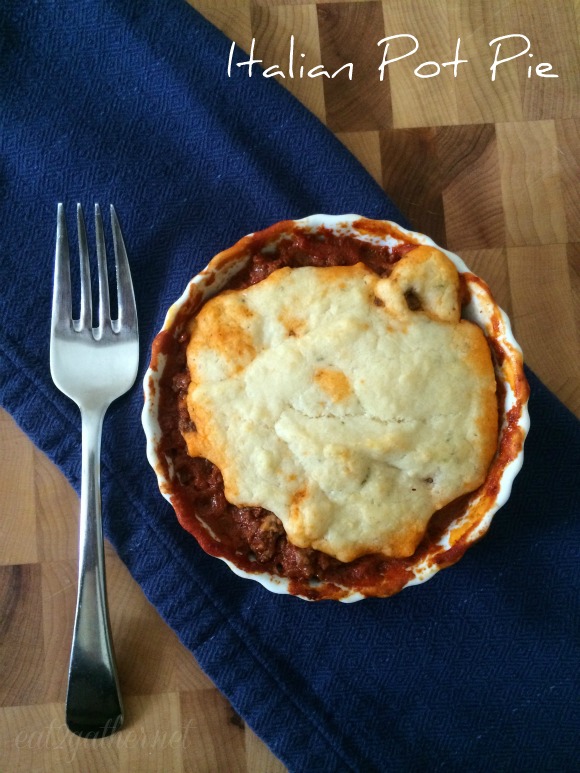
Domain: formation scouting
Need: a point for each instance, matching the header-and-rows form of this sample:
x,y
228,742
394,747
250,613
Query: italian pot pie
x,y
336,407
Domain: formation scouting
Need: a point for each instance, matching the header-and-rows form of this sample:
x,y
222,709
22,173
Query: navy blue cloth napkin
x,y
128,101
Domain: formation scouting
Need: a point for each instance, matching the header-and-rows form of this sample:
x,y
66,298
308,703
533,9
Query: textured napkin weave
x,y
129,102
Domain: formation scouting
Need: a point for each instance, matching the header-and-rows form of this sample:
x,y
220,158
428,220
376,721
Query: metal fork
x,y
92,366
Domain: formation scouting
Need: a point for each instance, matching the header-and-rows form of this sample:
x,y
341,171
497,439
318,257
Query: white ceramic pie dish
x,y
465,529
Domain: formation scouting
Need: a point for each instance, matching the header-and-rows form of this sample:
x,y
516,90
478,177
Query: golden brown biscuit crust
x,y
352,406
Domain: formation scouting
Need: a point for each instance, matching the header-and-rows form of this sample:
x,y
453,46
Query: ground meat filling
x,y
252,537
252,532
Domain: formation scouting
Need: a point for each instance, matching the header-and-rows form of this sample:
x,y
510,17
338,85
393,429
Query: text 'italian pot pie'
x,y
336,407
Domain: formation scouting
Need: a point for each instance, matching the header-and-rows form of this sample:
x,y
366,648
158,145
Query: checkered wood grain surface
x,y
487,168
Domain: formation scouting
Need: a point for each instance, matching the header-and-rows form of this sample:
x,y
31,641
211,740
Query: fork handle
x,y
93,704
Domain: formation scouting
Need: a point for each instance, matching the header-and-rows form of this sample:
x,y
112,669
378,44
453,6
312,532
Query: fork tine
x,y
104,303
125,292
86,310
61,294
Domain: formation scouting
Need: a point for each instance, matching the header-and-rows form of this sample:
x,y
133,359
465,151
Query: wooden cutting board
x,y
488,168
